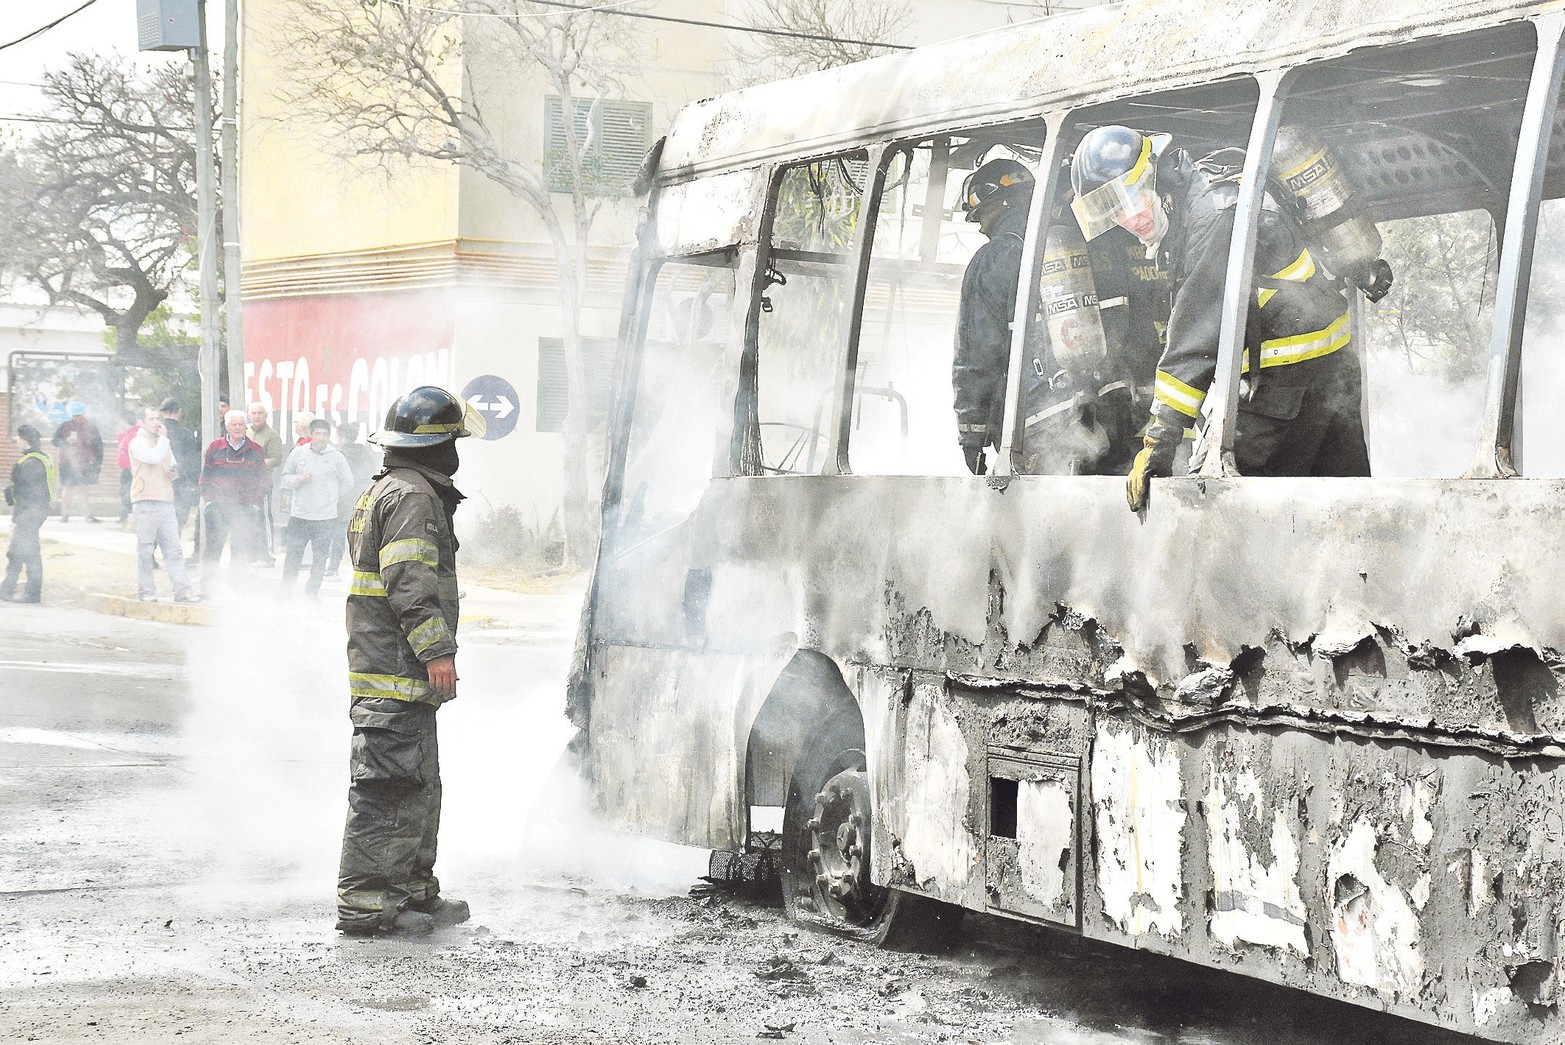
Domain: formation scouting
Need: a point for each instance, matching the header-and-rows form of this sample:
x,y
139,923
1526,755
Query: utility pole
x,y
231,257
206,236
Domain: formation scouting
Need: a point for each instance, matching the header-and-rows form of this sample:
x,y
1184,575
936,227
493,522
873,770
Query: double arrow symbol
x,y
499,406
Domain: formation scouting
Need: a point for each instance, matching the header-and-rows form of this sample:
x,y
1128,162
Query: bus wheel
x,y
826,861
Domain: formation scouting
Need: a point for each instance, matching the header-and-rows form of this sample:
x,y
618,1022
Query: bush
x,y
504,539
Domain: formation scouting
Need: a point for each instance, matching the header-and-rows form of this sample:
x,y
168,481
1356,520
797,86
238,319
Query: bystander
x,y
272,448
315,477
79,445
32,488
130,426
186,444
364,462
153,474
234,486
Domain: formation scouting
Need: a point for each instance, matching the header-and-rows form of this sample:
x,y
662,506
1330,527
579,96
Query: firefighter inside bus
x,y
1299,409
1089,359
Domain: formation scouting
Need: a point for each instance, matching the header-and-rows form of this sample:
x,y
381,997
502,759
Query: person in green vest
x,y
33,482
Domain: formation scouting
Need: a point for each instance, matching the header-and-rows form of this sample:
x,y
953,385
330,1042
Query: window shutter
x,y
553,399
551,385
613,134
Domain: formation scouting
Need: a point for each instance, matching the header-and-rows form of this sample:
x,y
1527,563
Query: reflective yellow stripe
x,y
436,429
1176,395
410,549
1280,351
429,633
1134,174
1303,268
365,583
365,684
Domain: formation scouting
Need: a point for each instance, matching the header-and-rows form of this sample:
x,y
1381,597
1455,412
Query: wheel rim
x,y
839,835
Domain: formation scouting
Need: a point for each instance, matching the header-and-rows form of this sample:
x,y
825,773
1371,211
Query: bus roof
x,y
1044,65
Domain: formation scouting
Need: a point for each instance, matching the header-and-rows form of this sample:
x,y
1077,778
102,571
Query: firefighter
x,y
402,617
1133,299
1299,407
1065,424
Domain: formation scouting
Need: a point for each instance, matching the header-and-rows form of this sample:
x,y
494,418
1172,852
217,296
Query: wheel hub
x,y
839,844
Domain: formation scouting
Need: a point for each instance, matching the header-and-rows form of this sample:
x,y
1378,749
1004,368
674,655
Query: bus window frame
x,y
1032,261
1047,178
1239,280
1497,435
854,260
628,368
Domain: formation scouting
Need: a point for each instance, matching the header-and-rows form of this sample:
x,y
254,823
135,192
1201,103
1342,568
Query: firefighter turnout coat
x,y
1061,432
1300,416
402,606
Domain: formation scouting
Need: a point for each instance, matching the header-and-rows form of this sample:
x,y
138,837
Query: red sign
x,y
346,357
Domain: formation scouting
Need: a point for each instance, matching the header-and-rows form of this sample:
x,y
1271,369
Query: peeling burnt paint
x,y
922,788
1374,930
1140,823
1254,861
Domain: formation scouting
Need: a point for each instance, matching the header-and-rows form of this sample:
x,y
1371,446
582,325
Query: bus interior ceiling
x,y
1428,128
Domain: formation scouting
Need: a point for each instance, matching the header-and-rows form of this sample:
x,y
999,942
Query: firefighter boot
x,y
445,912
408,922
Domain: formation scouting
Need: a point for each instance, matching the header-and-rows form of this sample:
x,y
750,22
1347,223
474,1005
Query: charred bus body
x,y
1307,729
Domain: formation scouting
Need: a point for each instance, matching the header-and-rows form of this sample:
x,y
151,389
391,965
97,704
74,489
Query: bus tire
x,y
826,864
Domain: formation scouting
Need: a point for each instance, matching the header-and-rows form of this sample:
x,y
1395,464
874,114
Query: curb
x,y
168,612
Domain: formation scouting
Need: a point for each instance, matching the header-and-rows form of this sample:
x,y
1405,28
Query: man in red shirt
x,y
234,483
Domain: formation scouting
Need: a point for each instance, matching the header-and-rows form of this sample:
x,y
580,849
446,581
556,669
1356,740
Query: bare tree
x,y
98,209
825,34
406,83
1439,311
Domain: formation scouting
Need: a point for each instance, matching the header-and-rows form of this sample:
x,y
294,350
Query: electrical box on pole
x,y
167,25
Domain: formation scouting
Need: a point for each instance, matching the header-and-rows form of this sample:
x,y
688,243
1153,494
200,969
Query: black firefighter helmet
x,y
428,416
995,180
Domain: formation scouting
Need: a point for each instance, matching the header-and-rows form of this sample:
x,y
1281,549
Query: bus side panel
x,y
667,741
923,767
1417,880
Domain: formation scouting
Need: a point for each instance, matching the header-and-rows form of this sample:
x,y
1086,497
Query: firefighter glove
x,y
1155,459
975,459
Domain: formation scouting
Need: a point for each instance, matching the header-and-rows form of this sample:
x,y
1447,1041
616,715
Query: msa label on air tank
x,y
1317,182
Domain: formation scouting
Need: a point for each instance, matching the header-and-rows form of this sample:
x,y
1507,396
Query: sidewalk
x,y
94,564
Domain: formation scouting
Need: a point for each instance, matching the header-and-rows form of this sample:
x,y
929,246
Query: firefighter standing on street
x,y
1299,411
402,619
1076,405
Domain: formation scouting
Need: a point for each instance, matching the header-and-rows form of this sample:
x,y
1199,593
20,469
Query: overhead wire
x,y
46,28
614,9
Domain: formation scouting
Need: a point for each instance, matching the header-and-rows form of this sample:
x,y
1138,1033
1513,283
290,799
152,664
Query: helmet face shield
x,y
473,422
1129,201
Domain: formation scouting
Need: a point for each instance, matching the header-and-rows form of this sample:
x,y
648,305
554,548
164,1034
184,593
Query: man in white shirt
x,y
316,475
152,474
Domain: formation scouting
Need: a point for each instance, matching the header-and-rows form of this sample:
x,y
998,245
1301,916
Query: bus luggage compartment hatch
x,y
1030,853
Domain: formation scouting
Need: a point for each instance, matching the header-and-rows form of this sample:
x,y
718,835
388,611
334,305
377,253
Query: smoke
x,y
1421,423
258,819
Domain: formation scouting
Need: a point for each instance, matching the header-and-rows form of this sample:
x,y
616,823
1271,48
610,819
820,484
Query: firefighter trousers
x,y
24,553
388,843
1304,420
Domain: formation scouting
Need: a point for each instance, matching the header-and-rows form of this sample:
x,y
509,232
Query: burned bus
x,y
1307,729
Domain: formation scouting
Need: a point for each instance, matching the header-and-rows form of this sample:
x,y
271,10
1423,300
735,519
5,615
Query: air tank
x,y
1348,243
1069,301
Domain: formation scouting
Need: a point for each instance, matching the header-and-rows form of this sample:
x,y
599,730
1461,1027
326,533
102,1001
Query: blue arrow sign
x,y
493,397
